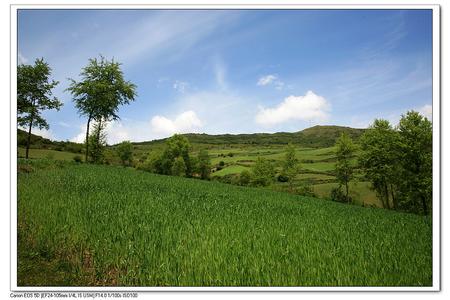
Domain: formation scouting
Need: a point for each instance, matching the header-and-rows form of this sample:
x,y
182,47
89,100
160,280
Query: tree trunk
x,y
394,199
87,138
424,204
29,138
386,195
346,192
99,131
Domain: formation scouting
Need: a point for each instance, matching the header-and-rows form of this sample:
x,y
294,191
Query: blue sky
x,y
238,71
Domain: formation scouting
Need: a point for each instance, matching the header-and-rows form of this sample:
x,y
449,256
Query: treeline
x,y
38,142
396,160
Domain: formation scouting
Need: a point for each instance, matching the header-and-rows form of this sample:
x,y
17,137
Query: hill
x,y
315,137
105,225
39,142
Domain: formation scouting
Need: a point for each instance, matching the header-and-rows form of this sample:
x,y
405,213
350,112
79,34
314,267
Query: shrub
x,y
77,159
282,178
338,195
245,178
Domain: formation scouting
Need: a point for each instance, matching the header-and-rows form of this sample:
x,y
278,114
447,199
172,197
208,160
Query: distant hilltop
x,y
316,137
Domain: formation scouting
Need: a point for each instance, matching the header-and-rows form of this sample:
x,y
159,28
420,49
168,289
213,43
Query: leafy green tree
x,y
379,159
179,167
263,172
416,157
34,94
97,142
245,177
204,164
101,91
344,169
125,152
176,146
291,165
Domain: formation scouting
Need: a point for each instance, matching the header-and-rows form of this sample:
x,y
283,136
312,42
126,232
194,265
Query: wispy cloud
x,y
180,86
21,59
426,111
271,79
265,80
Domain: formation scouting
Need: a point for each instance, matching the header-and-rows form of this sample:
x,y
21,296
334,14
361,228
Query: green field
x,y
104,225
50,154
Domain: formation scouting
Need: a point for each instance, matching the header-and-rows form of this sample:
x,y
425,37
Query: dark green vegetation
x,y
34,94
84,224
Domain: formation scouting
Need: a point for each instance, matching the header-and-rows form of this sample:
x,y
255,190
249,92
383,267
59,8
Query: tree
x,y
204,164
416,157
178,167
125,152
245,177
263,172
379,159
176,146
100,92
34,94
97,142
290,166
344,169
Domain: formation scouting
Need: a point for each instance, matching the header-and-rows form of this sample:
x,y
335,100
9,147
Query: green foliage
x,y
77,159
344,169
101,91
379,159
125,152
204,164
336,194
416,157
291,165
178,167
34,94
176,147
263,172
97,143
245,178
117,226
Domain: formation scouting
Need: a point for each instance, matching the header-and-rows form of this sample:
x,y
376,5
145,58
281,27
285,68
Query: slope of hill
x,y
316,137
118,226
39,142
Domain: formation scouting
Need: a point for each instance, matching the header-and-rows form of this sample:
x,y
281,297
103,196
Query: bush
x,y
77,159
305,190
245,178
338,195
282,178
221,163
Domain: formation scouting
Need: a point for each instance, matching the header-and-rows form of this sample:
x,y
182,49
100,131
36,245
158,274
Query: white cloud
x,y
271,79
265,80
81,137
21,59
183,123
180,86
426,111
63,124
306,108
48,134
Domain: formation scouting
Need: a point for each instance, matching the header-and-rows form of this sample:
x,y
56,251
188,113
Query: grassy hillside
x,y
103,225
317,136
38,142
